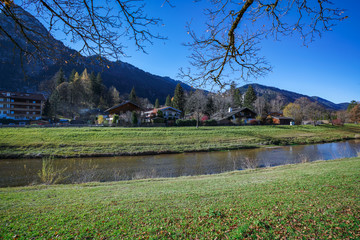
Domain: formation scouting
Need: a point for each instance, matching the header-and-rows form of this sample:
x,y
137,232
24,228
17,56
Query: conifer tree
x,y
179,98
237,98
132,95
249,98
168,101
157,103
72,76
59,77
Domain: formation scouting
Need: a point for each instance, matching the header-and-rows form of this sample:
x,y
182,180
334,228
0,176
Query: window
x,y
34,101
12,100
27,112
1,99
33,113
11,112
1,105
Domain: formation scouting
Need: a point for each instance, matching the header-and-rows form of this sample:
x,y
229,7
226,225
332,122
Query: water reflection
x,y
17,172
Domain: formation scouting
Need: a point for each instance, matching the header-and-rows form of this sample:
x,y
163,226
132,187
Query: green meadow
x,y
109,141
317,200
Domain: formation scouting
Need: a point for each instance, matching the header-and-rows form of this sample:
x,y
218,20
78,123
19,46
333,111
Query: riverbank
x,y
311,200
101,142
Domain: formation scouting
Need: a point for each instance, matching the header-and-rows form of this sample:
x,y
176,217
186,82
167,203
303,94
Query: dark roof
x,y
20,95
122,104
219,116
283,118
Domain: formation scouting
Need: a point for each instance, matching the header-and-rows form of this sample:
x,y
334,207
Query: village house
x,y
283,120
234,116
21,106
124,111
168,113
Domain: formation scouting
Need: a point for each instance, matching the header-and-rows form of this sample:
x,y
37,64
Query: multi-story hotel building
x,y
21,106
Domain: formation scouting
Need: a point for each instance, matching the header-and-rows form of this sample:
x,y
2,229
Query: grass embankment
x,y
312,200
77,142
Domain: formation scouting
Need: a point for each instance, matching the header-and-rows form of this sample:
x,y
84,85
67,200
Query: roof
x,y
155,110
20,95
122,104
283,118
219,116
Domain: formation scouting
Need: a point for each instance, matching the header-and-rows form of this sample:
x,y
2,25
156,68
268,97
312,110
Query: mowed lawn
x,y
102,141
317,200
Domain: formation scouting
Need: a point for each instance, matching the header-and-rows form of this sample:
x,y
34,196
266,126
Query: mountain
x,y
285,97
27,76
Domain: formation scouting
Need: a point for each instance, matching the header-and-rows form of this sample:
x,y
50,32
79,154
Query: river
x,y
21,172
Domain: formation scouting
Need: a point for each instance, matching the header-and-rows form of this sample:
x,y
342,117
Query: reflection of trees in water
x,y
246,159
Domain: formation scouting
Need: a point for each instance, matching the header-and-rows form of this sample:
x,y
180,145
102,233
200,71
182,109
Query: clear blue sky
x,y
328,68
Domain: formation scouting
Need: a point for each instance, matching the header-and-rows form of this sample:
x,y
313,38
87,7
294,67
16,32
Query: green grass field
x,y
317,200
74,142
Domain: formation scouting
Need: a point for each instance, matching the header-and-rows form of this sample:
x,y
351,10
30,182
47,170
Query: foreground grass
x,y
313,200
76,142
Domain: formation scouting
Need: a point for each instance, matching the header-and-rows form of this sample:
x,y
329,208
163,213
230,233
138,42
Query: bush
x,y
210,122
254,122
204,118
181,122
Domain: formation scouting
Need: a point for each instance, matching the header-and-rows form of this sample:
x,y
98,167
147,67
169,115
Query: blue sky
x,y
328,68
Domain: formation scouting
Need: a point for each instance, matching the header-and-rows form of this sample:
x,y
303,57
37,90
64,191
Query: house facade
x,y
168,113
124,111
21,106
234,116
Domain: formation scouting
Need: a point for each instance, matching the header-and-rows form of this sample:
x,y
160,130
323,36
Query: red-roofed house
x,y
167,113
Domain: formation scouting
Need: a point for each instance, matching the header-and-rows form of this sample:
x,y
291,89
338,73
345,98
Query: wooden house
x,y
234,116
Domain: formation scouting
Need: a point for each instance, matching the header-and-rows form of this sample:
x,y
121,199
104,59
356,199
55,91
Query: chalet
x,y
21,106
124,107
167,113
235,116
282,120
124,111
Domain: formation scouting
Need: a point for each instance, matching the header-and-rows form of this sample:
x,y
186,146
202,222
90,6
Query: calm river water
x,y
20,172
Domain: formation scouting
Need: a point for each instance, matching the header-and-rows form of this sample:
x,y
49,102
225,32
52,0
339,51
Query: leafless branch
x,y
230,44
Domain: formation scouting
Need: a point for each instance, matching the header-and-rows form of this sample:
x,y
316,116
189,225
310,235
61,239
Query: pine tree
x,y
237,98
134,119
168,101
132,95
59,77
157,103
179,98
114,95
47,109
95,96
249,98
72,76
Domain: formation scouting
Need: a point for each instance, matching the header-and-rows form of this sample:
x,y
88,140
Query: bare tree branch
x,y
230,44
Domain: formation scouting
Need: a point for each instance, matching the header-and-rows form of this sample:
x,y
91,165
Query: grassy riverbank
x,y
311,200
75,142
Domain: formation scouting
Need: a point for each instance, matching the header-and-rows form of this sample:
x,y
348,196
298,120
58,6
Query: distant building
x,y
124,111
282,120
167,113
234,116
21,106
124,107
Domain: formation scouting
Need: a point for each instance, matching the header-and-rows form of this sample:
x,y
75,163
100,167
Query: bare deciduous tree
x,y
230,43
196,104
99,27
